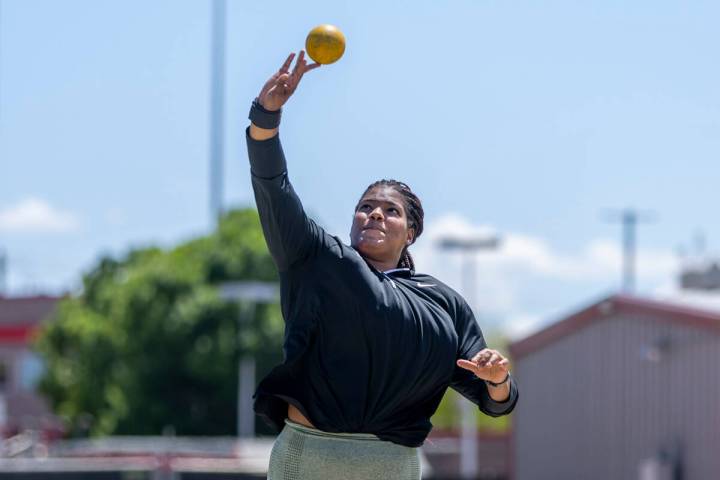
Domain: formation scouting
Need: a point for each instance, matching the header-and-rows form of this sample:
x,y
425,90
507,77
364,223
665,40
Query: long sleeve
x,y
470,342
290,235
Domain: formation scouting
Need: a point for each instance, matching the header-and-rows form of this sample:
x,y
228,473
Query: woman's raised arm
x,y
290,235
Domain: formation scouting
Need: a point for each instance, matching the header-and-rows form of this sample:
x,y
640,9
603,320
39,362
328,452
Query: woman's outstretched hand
x,y
488,364
283,83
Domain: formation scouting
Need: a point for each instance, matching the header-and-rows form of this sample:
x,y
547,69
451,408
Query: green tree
x,y
149,344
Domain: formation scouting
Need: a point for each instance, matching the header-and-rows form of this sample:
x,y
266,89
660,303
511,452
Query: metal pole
x,y
3,272
249,294
468,439
246,381
3,257
629,220
469,247
217,109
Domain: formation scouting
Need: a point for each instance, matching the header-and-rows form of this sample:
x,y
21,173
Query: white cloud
x,y
526,279
34,215
600,258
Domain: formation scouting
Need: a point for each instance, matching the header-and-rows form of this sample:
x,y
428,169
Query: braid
x,y
414,212
406,260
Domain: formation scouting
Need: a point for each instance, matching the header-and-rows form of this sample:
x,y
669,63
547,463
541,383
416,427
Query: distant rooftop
x,y
20,317
19,311
700,311
701,277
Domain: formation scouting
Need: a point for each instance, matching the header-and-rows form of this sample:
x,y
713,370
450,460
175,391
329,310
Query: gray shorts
x,y
304,453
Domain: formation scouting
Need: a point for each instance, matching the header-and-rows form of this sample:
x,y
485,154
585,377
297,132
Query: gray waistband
x,y
305,453
321,433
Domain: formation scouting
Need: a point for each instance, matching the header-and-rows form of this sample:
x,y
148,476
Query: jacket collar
x,y
395,272
399,272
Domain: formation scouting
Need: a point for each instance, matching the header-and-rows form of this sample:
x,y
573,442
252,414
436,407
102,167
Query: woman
x,y
370,345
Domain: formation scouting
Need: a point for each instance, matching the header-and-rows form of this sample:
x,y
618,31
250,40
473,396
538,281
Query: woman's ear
x,y
410,236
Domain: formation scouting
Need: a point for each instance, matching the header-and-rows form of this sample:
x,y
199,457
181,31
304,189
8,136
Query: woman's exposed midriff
x,y
296,416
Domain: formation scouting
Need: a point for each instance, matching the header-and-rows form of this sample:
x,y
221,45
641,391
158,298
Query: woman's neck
x,y
381,266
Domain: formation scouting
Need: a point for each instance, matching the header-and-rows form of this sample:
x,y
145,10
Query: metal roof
x,y
17,311
661,311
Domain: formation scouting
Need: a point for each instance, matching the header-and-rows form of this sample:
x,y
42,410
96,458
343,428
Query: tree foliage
x,y
149,344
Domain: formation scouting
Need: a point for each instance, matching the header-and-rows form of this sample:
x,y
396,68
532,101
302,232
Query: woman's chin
x,y
370,246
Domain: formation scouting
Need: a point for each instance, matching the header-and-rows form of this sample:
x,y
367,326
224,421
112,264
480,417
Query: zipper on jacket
x,y
392,282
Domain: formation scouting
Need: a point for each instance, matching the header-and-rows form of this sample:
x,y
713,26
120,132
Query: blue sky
x,y
525,118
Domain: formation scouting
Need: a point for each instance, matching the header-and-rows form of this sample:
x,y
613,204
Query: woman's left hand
x,y
488,364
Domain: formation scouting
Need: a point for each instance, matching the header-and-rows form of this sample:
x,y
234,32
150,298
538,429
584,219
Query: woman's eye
x,y
393,209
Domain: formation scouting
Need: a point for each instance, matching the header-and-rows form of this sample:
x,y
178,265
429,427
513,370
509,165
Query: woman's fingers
x,y
474,367
467,365
301,67
269,84
484,359
282,79
273,81
301,59
493,360
286,66
283,83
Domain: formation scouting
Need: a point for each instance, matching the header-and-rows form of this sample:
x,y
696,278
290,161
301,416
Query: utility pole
x,y
3,272
469,247
3,254
629,218
217,109
248,295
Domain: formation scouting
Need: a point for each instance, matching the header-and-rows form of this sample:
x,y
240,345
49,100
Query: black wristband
x,y
262,117
507,377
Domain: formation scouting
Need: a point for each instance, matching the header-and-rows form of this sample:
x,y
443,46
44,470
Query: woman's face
x,y
380,227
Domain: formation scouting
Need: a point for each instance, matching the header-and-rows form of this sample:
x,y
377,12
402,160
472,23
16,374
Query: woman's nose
x,y
376,214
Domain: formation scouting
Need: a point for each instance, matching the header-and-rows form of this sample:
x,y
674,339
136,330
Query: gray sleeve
x,y
290,234
470,342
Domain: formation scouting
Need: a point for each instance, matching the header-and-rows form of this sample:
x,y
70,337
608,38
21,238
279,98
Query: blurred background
x,y
566,155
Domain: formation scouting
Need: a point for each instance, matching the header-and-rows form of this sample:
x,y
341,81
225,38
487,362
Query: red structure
x,y
20,406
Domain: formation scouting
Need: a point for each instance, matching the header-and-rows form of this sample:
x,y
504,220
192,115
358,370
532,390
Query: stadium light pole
x,y
629,218
248,294
3,272
468,246
217,109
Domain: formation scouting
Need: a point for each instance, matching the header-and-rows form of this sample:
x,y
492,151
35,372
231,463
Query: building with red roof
x,y
623,388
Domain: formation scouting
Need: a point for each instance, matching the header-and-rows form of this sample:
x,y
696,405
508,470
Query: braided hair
x,y
413,210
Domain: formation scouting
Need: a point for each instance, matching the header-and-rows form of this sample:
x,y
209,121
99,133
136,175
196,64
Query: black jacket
x,y
364,351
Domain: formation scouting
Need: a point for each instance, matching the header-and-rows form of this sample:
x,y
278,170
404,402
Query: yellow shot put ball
x,y
325,44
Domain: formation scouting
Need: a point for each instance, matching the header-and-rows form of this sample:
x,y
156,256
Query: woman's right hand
x,y
278,89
